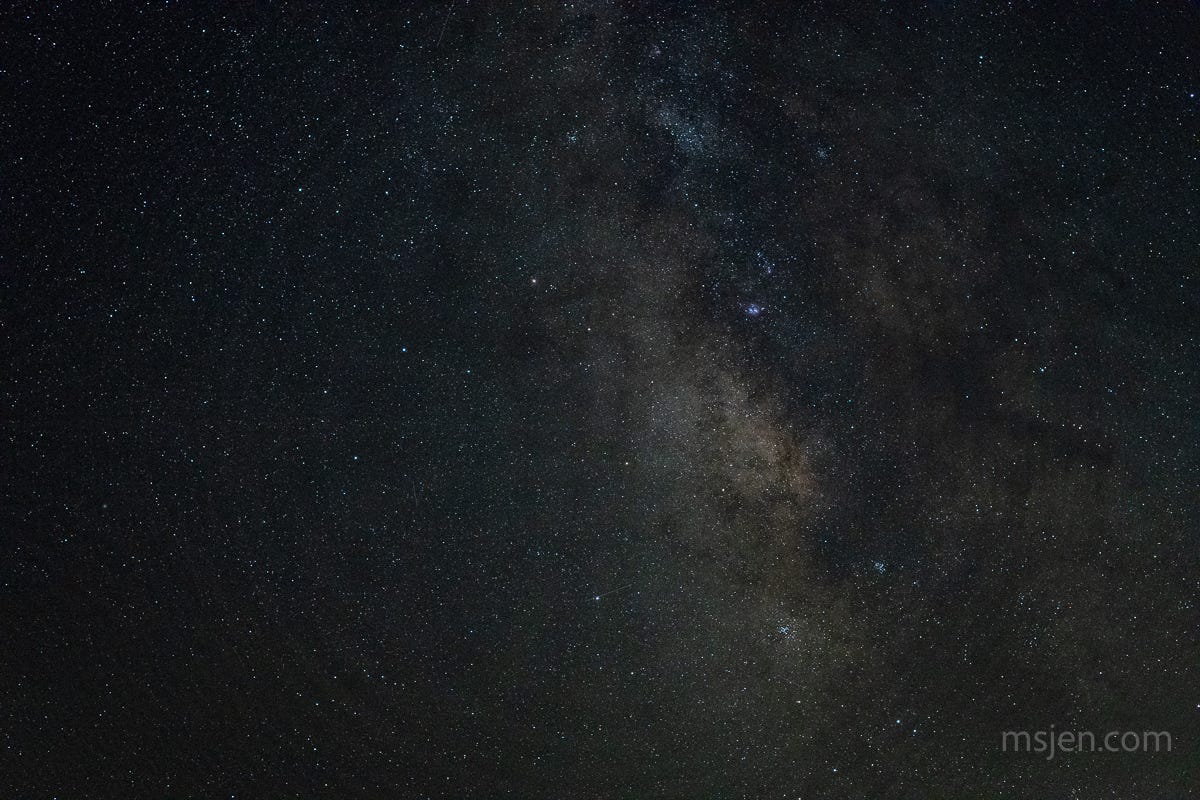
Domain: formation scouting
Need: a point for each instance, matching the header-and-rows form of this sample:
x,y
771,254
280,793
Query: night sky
x,y
598,399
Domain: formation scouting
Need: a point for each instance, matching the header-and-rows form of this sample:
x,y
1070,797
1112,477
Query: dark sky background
x,y
598,400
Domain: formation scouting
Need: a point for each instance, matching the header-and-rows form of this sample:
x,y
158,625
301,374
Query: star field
x,y
598,400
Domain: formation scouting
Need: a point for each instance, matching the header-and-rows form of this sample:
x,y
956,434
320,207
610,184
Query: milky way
x,y
594,400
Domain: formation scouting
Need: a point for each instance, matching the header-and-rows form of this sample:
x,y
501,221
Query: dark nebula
x,y
598,399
